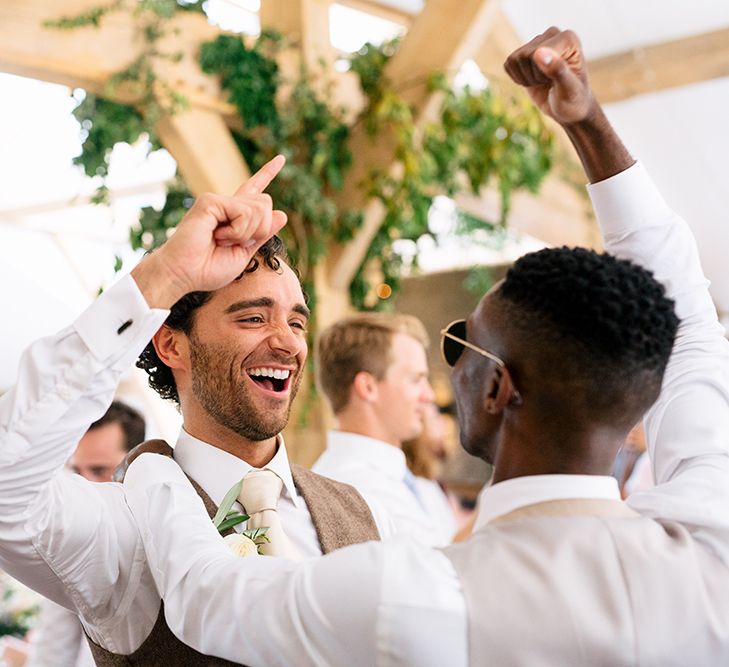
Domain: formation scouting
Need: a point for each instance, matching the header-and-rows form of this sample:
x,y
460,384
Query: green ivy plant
x,y
478,138
105,123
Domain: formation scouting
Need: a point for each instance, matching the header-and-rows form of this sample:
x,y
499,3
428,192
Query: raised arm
x,y
56,532
49,518
551,68
688,427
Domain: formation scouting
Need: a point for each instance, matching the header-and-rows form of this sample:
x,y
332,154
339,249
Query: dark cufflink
x,y
124,327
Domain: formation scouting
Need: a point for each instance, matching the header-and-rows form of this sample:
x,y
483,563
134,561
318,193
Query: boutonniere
x,y
247,542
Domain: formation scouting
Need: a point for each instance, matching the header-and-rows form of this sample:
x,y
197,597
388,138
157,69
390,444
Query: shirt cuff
x,y
118,320
626,201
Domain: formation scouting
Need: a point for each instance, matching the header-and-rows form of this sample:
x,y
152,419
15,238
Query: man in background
x,y
373,369
425,455
107,442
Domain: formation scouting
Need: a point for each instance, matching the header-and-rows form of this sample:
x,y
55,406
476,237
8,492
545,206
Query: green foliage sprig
x,y
162,8
250,75
477,139
91,18
226,518
105,123
155,226
302,125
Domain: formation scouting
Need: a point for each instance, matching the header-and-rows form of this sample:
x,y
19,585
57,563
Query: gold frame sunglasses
x,y
451,344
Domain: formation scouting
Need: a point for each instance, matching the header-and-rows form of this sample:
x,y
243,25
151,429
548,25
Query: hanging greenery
x,y
303,127
477,138
105,123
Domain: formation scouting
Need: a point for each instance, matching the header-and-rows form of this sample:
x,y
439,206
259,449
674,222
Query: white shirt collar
x,y
385,458
511,494
216,470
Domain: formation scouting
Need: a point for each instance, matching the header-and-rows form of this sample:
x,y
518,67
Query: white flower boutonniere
x,y
247,542
241,545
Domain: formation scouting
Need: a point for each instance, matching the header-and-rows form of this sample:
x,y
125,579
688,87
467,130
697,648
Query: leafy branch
x,y
477,139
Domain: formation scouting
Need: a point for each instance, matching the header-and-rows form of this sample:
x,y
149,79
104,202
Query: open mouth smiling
x,y
276,380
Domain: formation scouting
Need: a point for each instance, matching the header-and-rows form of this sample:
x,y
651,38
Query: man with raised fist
x,y
551,371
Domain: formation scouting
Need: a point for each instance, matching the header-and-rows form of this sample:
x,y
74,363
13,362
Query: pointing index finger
x,y
257,183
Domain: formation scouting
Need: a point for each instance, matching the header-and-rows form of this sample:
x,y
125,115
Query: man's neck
x,y
350,423
526,456
255,453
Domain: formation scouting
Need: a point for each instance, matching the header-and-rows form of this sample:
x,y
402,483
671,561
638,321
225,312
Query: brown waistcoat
x,y
340,516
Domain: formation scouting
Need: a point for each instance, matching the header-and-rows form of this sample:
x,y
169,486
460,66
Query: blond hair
x,y
359,343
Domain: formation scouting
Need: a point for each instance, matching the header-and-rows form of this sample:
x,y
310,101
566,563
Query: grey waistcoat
x,y
590,583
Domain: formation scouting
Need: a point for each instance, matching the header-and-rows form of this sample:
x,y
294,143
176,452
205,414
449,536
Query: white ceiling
x,y
612,26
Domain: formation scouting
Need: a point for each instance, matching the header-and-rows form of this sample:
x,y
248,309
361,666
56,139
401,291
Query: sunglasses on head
x,y
453,340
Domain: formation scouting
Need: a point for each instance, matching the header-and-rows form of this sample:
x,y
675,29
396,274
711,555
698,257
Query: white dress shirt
x,y
398,603
437,506
74,541
377,470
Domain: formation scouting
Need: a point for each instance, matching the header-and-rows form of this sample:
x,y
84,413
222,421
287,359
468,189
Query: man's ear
x,y
365,387
171,347
501,392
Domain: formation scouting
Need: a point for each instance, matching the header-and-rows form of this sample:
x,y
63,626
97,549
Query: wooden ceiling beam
x,y
381,9
89,56
206,154
623,75
651,69
305,23
558,215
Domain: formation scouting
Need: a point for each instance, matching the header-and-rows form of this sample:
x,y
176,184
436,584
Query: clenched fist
x,y
552,69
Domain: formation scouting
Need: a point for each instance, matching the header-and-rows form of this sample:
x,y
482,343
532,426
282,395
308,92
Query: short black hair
x,y
131,422
182,317
610,317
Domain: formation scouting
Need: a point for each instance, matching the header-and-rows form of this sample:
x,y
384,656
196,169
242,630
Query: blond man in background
x,y
373,369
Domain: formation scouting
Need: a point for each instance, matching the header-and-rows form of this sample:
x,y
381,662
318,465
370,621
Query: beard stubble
x,y
219,386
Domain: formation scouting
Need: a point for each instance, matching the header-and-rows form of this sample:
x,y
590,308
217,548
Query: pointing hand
x,y
214,242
